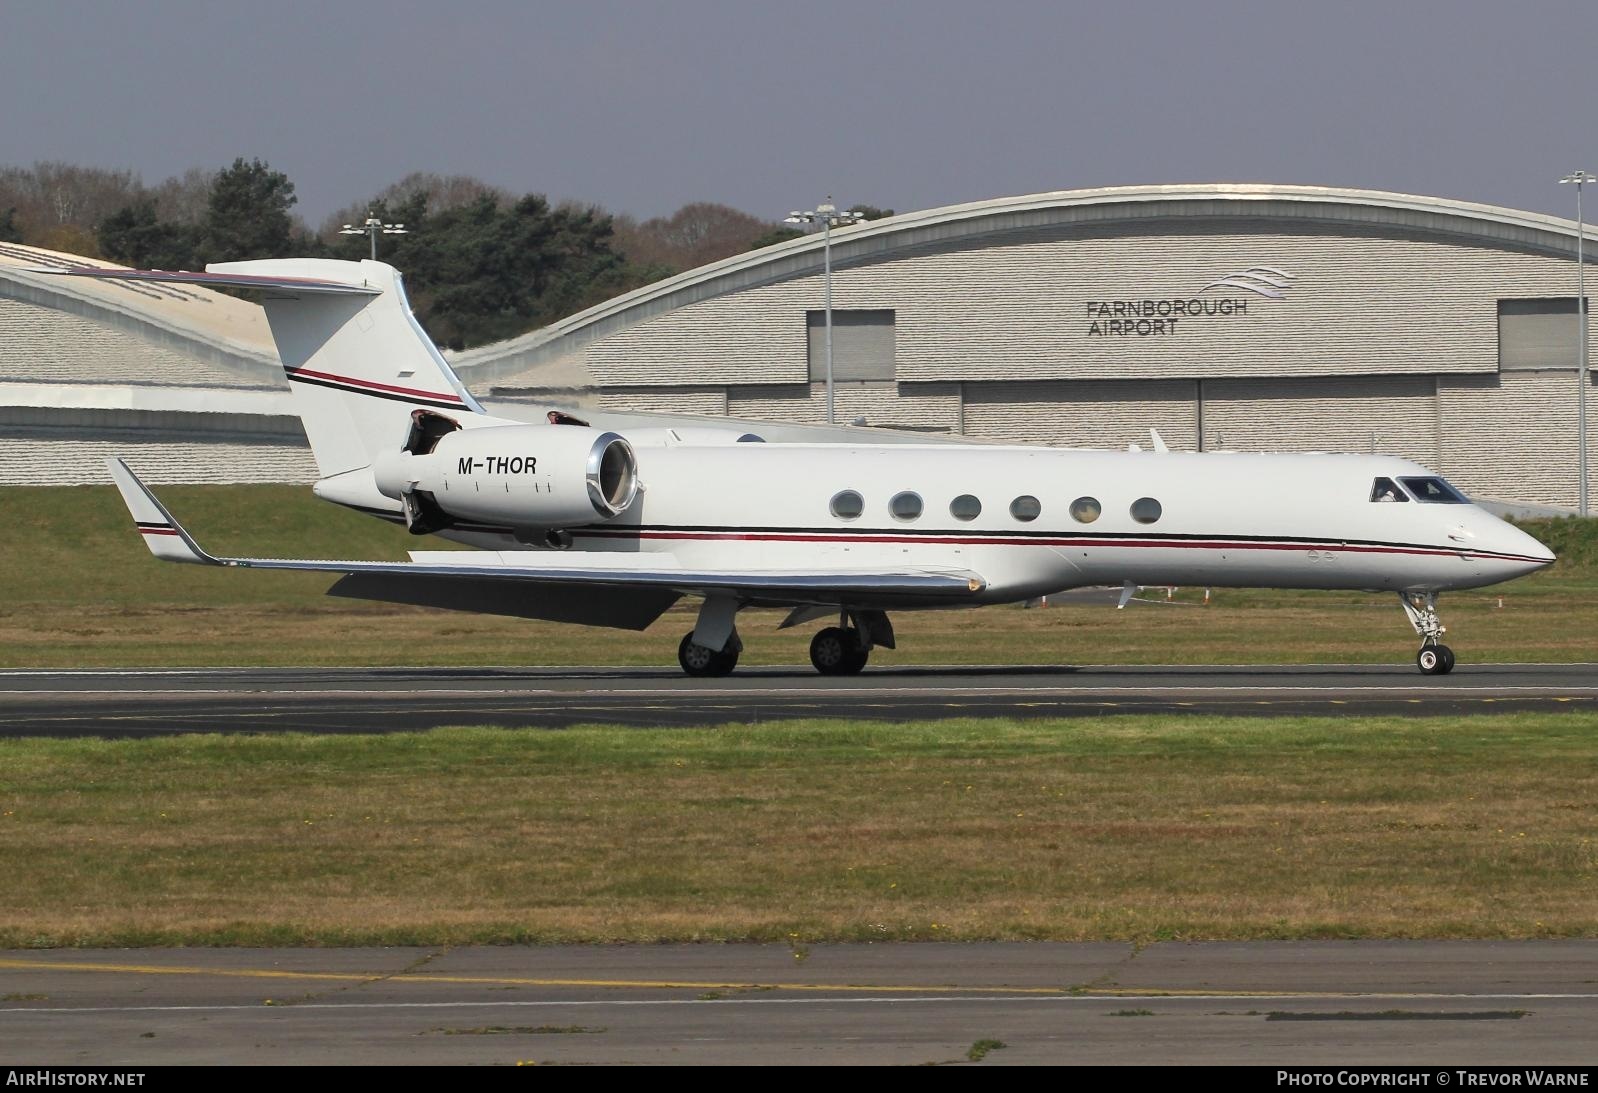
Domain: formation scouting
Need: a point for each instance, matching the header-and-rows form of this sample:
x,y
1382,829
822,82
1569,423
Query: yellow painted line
x,y
503,981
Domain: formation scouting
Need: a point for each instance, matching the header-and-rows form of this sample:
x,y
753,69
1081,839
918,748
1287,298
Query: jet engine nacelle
x,y
521,476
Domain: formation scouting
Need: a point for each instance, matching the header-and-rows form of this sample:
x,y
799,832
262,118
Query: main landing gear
x,y
711,648
843,650
839,651
700,660
1434,658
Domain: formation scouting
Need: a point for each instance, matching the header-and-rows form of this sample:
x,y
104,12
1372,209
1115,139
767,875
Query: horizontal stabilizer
x,y
221,277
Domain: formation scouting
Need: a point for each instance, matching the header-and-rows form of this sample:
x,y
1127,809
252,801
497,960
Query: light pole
x,y
830,217
374,227
1580,178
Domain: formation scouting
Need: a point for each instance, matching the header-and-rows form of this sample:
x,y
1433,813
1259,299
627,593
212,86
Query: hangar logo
x,y
1159,318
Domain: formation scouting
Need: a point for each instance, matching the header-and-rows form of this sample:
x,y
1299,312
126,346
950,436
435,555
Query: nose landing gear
x,y
1434,658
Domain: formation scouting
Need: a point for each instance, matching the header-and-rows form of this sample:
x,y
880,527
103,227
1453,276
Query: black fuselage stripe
x,y
409,400
1222,541
1043,538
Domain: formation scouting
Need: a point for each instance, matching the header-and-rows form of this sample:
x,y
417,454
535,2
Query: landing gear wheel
x,y
857,660
700,661
1435,660
836,651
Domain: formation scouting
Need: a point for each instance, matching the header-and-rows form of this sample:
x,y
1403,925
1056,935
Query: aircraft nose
x,y
1520,547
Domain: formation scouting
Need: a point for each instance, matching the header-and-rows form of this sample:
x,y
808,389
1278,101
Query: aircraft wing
x,y
564,570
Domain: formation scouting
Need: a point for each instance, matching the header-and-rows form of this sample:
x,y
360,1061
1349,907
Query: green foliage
x,y
1573,540
775,236
137,237
248,215
481,265
485,270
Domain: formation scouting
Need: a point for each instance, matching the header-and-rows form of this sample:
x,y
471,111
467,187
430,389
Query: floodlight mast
x,y
829,217
373,226
1580,178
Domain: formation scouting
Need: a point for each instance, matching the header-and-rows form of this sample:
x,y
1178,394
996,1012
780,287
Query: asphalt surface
x,y
1420,1003
370,700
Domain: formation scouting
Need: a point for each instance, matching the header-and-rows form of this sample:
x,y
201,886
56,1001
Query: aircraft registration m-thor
x,y
610,528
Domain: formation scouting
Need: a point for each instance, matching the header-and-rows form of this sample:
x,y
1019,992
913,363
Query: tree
x,y
57,205
483,273
185,198
136,236
695,235
248,214
9,232
431,192
774,236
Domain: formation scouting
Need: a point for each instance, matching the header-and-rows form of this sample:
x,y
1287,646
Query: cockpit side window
x,y
1384,490
1434,491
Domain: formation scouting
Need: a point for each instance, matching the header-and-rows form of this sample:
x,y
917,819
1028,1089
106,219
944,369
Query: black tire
x,y
700,662
1448,658
1430,660
831,650
857,659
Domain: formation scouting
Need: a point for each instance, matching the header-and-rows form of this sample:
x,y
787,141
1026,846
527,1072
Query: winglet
x,y
163,535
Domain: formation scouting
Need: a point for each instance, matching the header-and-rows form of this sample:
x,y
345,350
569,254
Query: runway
x,y
1328,1003
136,702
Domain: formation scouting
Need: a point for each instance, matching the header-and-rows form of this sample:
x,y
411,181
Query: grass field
x,y
1126,828
1131,828
85,592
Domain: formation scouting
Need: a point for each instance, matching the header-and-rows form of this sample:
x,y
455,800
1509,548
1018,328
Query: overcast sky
x,y
643,107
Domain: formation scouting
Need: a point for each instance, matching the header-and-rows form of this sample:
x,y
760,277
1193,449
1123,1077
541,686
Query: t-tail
x,y
366,379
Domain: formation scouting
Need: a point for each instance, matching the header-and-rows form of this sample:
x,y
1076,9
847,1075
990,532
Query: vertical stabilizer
x,y
358,363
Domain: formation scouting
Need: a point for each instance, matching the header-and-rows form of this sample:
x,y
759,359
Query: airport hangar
x,y
1226,316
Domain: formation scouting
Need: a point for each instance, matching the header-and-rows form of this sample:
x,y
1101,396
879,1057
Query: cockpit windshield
x,y
1434,491
1383,489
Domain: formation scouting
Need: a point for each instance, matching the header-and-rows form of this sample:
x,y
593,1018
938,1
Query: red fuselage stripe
x,y
374,386
954,540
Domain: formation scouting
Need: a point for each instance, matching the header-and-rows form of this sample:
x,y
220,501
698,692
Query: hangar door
x,y
1538,333
862,344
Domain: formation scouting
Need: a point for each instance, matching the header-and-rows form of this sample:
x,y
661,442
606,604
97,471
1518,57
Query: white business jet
x,y
592,526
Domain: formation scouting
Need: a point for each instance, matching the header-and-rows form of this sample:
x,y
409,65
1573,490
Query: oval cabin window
x,y
848,505
1026,508
1085,510
905,506
965,507
1145,510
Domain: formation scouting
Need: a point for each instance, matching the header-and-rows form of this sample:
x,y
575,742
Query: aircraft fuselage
x,y
1033,521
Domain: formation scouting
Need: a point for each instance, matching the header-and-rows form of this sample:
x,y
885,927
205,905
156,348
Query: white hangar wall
x,y
1077,318
1245,317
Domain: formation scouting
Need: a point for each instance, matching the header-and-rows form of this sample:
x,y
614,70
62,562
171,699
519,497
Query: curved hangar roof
x,y
69,329
956,226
